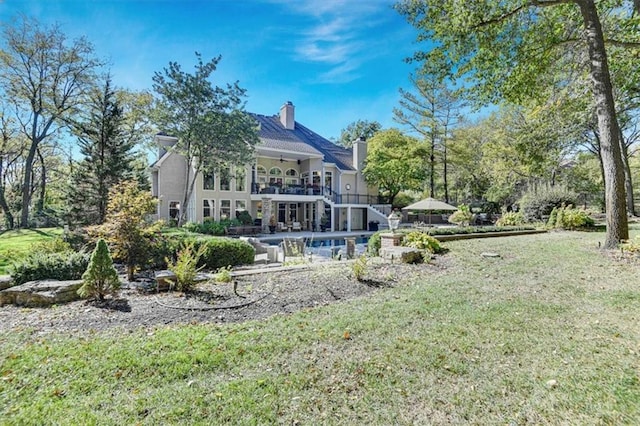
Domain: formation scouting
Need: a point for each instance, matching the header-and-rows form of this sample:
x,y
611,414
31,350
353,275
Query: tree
x,y
431,110
107,144
212,128
357,129
504,48
46,78
126,228
395,162
101,278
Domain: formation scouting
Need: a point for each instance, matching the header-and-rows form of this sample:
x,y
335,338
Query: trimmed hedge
x,y
53,266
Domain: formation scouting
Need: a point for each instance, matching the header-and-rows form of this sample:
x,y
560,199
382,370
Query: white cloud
x,y
337,34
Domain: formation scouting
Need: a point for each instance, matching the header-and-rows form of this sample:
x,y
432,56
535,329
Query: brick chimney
x,y
287,115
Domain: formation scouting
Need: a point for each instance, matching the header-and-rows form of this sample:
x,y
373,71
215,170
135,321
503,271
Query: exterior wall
x,y
236,199
170,183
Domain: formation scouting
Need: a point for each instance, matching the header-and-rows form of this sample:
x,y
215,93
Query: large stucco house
x,y
296,175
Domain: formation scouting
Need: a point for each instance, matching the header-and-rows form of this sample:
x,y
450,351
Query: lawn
x,y
547,333
15,243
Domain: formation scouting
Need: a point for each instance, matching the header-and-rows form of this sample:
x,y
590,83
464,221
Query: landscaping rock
x,y
489,254
41,293
402,254
5,281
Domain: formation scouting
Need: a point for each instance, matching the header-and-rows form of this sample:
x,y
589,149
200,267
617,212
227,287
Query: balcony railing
x,y
317,190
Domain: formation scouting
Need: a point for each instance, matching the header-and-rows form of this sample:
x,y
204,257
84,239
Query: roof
x,y
274,135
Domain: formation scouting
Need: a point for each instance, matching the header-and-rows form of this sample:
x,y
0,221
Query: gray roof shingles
x,y
301,139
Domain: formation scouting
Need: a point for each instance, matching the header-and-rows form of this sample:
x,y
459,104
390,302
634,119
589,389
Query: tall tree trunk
x,y
617,226
628,181
43,183
26,185
8,216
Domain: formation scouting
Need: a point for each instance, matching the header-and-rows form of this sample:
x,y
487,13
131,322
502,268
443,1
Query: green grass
x,y
15,243
546,334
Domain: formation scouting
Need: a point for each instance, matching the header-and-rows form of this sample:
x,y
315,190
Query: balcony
x,y
310,193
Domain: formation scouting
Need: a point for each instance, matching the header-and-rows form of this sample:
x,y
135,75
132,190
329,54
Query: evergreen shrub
x,y
101,278
222,252
63,266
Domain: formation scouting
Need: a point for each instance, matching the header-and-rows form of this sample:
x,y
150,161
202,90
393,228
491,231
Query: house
x,y
296,175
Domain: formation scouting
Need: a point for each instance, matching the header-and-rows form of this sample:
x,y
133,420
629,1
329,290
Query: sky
x,y
337,60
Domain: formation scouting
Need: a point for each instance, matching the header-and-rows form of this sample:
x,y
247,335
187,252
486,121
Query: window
x,y
261,170
225,179
291,172
316,178
275,171
241,179
174,209
208,209
305,178
241,205
225,209
291,181
208,180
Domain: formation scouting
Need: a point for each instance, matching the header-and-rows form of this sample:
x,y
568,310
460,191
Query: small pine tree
x,y
100,278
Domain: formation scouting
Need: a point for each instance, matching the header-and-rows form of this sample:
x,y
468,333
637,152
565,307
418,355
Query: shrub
x,y
224,275
462,216
570,218
553,218
359,267
56,266
422,241
373,246
101,278
244,217
53,245
539,203
185,266
221,252
632,245
511,219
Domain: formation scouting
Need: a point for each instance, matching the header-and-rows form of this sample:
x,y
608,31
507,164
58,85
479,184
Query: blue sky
x,y
336,60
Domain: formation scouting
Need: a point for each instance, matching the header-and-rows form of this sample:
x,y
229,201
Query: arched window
x,y
275,171
291,172
261,170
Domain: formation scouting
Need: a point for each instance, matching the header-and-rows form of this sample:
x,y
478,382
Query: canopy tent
x,y
430,204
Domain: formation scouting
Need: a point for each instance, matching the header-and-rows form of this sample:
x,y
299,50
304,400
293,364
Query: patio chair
x,y
296,226
282,226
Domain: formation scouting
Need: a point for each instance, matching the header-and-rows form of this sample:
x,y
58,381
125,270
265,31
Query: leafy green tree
x,y
108,147
212,128
46,78
506,49
395,162
357,129
100,278
126,228
431,110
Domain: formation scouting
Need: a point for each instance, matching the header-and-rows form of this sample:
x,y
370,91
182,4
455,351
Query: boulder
x,y
41,293
5,281
403,254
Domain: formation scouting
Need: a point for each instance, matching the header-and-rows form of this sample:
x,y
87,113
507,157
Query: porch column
x,y
319,213
266,214
349,219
